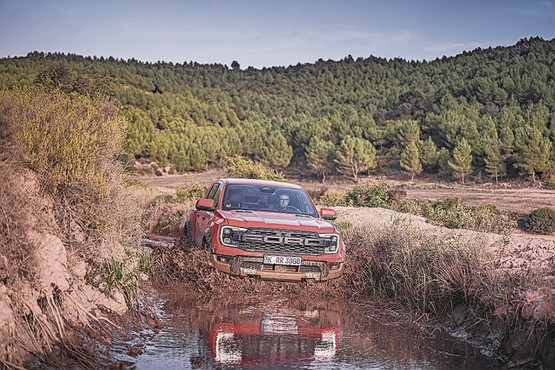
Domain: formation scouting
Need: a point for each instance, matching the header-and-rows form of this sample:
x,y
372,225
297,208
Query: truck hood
x,y
277,220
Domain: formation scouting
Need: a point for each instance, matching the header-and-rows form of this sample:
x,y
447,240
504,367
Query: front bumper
x,y
254,266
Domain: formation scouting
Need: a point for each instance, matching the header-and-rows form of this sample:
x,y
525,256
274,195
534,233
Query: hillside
x,y
488,112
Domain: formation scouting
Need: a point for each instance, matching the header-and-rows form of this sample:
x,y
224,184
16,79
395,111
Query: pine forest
x,y
487,112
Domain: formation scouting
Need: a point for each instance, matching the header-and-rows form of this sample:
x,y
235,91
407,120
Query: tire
x,y
207,242
189,232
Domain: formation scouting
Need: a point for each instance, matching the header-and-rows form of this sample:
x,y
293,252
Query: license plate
x,y
282,260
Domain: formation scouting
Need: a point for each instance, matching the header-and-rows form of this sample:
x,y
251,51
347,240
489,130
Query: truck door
x,y
203,217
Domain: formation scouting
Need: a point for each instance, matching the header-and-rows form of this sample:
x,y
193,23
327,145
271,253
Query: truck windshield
x,y
267,198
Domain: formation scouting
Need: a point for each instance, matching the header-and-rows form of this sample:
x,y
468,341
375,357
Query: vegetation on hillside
x,y
489,111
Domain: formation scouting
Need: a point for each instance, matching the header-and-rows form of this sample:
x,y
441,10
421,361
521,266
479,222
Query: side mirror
x,y
205,204
328,214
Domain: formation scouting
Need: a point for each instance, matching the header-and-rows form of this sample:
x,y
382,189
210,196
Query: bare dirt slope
x,y
45,299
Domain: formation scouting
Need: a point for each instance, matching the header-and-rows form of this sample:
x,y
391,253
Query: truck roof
x,y
261,182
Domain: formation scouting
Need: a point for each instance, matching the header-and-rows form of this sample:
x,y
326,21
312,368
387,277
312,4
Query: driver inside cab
x,y
283,203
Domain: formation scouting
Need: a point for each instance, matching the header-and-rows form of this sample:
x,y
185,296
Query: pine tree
x,y
507,138
488,135
410,160
443,158
355,155
428,152
461,164
275,150
408,132
534,151
318,156
495,165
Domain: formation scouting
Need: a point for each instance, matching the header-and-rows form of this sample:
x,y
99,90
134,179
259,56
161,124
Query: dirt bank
x,y
55,306
517,251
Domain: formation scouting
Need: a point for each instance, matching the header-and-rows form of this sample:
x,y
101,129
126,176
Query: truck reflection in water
x,y
241,331
257,336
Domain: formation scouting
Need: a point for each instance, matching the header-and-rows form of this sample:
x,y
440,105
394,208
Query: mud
x,y
192,270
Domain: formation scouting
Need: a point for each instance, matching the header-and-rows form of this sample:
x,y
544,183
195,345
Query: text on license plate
x,y
282,260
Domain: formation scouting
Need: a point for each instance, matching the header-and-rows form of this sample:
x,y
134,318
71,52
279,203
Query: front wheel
x,y
189,233
207,242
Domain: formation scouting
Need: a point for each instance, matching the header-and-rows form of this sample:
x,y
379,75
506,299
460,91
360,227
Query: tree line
x,y
487,112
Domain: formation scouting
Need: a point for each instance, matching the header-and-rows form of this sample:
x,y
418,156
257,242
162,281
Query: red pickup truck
x,y
267,229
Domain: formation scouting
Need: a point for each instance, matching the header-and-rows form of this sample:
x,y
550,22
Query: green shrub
x,y
487,218
243,168
452,213
541,221
163,198
118,274
412,206
66,139
370,195
331,199
448,212
189,192
147,260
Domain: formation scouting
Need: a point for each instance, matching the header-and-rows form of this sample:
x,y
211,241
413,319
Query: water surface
x,y
275,333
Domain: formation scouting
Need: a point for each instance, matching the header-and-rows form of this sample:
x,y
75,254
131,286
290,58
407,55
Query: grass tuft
x,y
427,274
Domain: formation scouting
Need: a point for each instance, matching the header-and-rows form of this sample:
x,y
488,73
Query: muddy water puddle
x,y
274,333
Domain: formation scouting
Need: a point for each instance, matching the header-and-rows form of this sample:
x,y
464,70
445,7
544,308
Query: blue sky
x,y
268,33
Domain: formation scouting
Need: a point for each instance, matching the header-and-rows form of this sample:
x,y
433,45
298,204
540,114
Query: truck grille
x,y
282,242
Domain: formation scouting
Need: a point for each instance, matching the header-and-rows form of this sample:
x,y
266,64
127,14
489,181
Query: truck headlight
x,y
231,235
331,242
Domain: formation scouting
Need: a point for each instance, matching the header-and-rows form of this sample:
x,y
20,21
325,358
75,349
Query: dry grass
x,y
513,309
429,274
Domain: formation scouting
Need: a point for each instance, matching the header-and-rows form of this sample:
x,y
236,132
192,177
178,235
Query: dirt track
x,y
518,200
514,200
